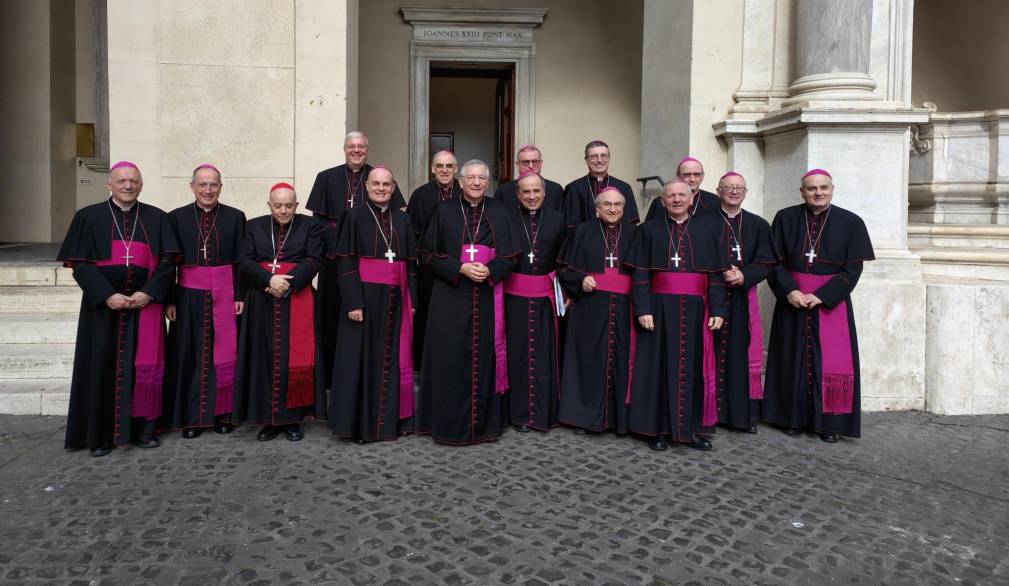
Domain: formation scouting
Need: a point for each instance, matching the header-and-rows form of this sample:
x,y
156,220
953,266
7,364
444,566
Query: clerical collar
x,y
603,177
811,212
122,207
378,207
208,210
471,204
731,216
528,211
683,221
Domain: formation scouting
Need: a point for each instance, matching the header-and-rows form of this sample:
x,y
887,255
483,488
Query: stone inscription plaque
x,y
456,35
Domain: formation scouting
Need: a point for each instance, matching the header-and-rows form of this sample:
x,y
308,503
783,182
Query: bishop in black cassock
x,y
377,258
690,170
123,257
337,190
203,314
580,195
679,298
278,381
469,248
423,200
533,329
745,239
600,336
812,356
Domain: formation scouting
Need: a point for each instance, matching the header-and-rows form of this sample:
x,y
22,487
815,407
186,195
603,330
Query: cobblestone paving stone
x,y
918,500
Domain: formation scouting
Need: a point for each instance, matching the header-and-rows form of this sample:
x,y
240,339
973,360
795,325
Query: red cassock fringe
x,y
756,384
300,387
838,393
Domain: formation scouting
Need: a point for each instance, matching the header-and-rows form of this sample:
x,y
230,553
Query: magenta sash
x,y
485,254
382,272
667,283
612,281
755,350
837,369
538,286
220,282
149,362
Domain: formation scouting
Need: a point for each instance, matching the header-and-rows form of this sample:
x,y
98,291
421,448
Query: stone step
x,y
28,299
38,328
35,396
968,236
36,361
35,274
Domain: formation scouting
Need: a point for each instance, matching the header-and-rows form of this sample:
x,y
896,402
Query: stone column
x,y
833,41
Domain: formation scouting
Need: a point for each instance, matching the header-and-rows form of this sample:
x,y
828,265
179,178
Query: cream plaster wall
x,y
960,54
466,106
588,81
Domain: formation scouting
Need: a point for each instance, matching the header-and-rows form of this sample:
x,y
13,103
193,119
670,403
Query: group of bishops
x,y
538,306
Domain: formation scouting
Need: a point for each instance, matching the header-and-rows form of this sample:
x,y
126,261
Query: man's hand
x,y
733,277
589,284
811,300
715,323
239,307
170,312
139,300
475,271
647,322
280,283
797,300
119,301
356,315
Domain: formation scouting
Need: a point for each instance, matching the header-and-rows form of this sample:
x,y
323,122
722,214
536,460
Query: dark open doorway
x,y
472,110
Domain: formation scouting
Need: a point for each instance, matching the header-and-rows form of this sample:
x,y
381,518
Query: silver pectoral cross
x,y
738,251
472,252
531,256
274,266
676,260
350,201
810,256
127,257
204,249
611,259
390,255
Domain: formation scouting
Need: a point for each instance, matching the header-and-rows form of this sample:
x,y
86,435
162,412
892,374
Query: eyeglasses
x,y
733,189
532,163
597,158
477,178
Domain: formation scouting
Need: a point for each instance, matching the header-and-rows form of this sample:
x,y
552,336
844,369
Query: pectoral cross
x,y
472,252
676,260
389,254
204,249
531,256
350,201
127,257
738,251
274,266
810,256
611,259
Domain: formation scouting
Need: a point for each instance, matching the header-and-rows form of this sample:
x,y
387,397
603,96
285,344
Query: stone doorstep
x,y
36,361
38,328
40,274
35,397
29,299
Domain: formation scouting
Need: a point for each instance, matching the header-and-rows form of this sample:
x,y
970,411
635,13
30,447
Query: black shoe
x,y
521,428
267,433
580,431
751,429
830,438
102,450
791,431
147,442
223,427
359,441
191,432
659,444
293,433
699,443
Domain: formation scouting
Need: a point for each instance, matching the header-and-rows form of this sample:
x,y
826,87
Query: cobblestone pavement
x,y
918,500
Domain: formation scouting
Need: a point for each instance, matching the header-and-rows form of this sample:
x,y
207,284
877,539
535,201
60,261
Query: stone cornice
x,y
417,15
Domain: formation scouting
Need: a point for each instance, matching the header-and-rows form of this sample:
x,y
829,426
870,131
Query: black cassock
x,y
460,402
668,387
262,377
553,197
597,345
737,373
365,400
422,203
192,395
532,323
792,388
335,191
580,195
106,379
705,203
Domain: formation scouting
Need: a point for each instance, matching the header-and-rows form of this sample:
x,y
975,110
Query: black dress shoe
x,y
659,444
147,442
223,427
791,431
521,428
580,431
102,450
699,443
293,433
191,432
751,429
267,433
830,438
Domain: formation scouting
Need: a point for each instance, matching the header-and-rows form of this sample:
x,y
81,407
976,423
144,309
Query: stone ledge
x,y
35,397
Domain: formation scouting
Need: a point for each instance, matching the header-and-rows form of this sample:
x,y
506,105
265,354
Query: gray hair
x,y
355,134
474,163
543,182
674,180
202,167
455,161
595,200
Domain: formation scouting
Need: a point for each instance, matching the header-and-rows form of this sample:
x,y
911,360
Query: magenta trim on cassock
x,y
536,286
755,350
485,254
220,282
668,283
382,272
149,361
837,369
